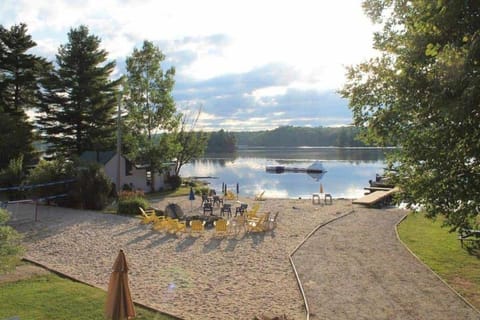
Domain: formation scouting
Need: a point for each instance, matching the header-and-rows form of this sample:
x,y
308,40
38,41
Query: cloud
x,y
261,99
250,64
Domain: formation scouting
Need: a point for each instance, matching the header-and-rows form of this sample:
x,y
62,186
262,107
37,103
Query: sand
x,y
236,277
191,277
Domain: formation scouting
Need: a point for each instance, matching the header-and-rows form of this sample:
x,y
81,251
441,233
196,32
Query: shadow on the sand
x,y
185,243
166,238
257,237
232,244
142,237
129,230
212,244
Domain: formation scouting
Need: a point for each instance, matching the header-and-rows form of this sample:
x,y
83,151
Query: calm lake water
x,y
348,171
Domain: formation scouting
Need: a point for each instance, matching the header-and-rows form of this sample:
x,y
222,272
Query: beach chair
x,y
230,195
221,227
259,197
174,226
148,216
207,207
160,224
217,200
272,221
226,209
241,209
238,223
258,224
253,213
196,227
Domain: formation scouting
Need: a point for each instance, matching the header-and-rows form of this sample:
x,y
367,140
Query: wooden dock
x,y
375,197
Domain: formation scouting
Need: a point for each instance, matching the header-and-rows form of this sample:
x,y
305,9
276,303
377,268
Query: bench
x,y
468,235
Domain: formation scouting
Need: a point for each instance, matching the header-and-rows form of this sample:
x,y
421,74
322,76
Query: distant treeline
x,y
286,136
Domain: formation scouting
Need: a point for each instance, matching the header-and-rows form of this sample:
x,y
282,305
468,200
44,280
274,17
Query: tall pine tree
x,y
20,75
79,111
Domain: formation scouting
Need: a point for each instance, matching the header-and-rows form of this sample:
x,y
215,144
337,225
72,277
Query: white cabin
x,y
138,177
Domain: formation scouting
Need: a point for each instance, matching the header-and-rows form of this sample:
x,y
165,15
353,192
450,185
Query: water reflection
x,y
348,171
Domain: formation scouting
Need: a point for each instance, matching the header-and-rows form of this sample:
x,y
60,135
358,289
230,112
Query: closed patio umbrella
x,y
119,305
191,197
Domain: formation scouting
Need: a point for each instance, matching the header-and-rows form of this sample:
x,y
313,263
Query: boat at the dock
x,y
316,167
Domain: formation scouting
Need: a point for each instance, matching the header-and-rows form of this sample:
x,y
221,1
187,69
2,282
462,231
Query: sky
x,y
247,64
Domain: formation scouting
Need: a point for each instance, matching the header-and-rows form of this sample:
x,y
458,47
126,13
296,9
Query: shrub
x,y
50,171
10,244
130,205
92,189
175,181
12,176
201,190
127,187
131,194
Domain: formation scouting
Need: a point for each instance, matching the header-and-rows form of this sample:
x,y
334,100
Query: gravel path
x,y
355,268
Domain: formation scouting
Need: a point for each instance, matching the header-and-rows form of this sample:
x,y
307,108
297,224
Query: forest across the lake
x,y
286,136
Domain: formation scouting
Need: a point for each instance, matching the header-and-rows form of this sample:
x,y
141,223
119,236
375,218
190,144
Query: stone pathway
x,y
356,268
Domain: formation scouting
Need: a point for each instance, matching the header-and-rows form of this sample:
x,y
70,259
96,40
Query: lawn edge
x,y
64,275
428,267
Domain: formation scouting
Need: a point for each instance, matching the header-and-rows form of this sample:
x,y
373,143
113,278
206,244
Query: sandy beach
x,y
236,277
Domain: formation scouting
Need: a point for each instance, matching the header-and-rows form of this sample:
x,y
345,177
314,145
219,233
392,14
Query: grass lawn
x,y
182,191
442,252
52,297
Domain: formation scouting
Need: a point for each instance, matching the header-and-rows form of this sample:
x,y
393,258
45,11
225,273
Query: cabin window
x,y
149,177
128,168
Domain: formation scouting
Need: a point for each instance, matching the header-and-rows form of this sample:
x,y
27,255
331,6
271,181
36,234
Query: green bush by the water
x,y
129,201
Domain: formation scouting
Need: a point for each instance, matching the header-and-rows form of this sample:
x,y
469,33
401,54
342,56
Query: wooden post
x,y
119,144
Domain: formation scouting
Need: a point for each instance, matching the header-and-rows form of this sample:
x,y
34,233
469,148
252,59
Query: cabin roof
x,y
102,157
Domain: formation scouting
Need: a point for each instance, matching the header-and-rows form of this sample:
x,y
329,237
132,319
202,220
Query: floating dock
x,y
316,167
376,197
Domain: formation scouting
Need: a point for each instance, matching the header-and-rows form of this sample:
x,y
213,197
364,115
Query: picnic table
x,y
468,235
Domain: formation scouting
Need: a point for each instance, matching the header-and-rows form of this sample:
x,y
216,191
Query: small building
x,y
138,177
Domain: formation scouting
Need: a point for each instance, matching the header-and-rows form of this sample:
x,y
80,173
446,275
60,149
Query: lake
x,y
348,171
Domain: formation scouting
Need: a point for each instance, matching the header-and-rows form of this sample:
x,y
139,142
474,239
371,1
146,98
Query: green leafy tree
x,y
20,77
422,93
191,144
151,108
79,111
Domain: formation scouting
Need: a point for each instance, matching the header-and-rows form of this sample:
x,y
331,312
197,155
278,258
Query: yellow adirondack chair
x,y
259,197
253,213
258,224
174,226
221,227
148,216
161,223
196,227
